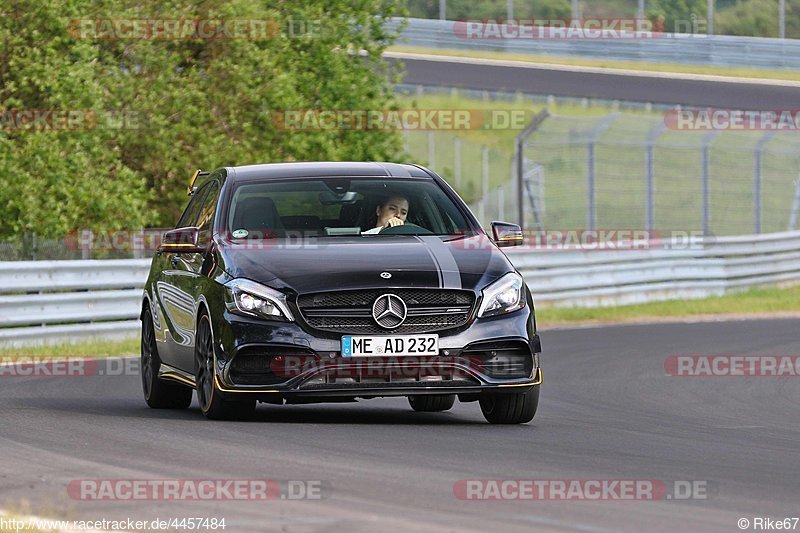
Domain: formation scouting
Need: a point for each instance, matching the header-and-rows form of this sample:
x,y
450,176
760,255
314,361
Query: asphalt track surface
x,y
545,81
607,411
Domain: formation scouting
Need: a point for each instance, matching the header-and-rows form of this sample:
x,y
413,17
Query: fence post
x,y
649,185
519,156
757,185
591,208
484,180
457,161
710,17
501,203
705,183
431,151
795,207
591,214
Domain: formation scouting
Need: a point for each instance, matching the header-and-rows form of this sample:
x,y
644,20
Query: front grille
x,y
429,310
311,386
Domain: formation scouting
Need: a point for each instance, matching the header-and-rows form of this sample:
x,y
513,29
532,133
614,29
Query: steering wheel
x,y
405,229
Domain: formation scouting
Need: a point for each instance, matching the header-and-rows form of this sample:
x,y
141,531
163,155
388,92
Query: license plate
x,y
362,346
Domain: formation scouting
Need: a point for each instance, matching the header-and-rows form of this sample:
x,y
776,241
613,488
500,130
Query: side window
x,y
206,220
193,209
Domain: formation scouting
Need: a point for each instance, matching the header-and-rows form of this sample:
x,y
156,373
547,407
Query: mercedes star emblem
x,y
389,311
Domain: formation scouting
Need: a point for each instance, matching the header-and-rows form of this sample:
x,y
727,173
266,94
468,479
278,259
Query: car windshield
x,y
333,207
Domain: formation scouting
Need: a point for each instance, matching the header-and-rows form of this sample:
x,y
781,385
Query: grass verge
x,y
97,348
750,303
708,70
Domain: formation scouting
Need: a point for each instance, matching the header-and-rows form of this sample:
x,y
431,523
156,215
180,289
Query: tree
x,y
185,102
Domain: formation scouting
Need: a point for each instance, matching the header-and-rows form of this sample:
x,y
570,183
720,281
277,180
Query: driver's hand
x,y
394,221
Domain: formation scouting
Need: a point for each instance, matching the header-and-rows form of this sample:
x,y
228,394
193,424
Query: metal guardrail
x,y
59,301
718,50
44,302
705,267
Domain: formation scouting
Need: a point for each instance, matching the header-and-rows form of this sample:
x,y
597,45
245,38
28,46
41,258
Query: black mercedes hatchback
x,y
319,282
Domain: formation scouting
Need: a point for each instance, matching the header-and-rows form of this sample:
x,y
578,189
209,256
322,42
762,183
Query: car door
x,y
189,280
176,303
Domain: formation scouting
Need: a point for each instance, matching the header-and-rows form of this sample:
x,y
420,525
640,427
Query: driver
x,y
391,212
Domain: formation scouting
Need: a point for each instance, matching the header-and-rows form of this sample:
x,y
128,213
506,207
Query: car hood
x,y
339,263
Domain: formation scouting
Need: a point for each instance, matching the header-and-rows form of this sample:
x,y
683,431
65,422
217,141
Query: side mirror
x,y
181,240
506,234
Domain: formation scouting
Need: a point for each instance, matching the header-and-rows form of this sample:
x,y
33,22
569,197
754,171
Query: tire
x,y
211,402
425,403
510,408
158,393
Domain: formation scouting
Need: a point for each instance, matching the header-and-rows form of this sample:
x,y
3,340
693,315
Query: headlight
x,y
503,296
251,298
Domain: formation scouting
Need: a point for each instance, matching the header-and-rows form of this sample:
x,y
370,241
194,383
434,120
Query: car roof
x,y
326,169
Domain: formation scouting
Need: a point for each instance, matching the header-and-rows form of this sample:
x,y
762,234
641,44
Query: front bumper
x,y
467,363
373,389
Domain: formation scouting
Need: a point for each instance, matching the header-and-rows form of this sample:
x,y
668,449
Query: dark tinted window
x,y
340,206
206,219
189,217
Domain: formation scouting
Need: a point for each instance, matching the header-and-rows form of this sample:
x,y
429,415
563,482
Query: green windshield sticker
x,y
240,233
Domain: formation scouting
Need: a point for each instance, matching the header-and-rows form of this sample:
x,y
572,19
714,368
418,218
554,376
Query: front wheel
x,y
510,408
212,404
432,403
158,394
